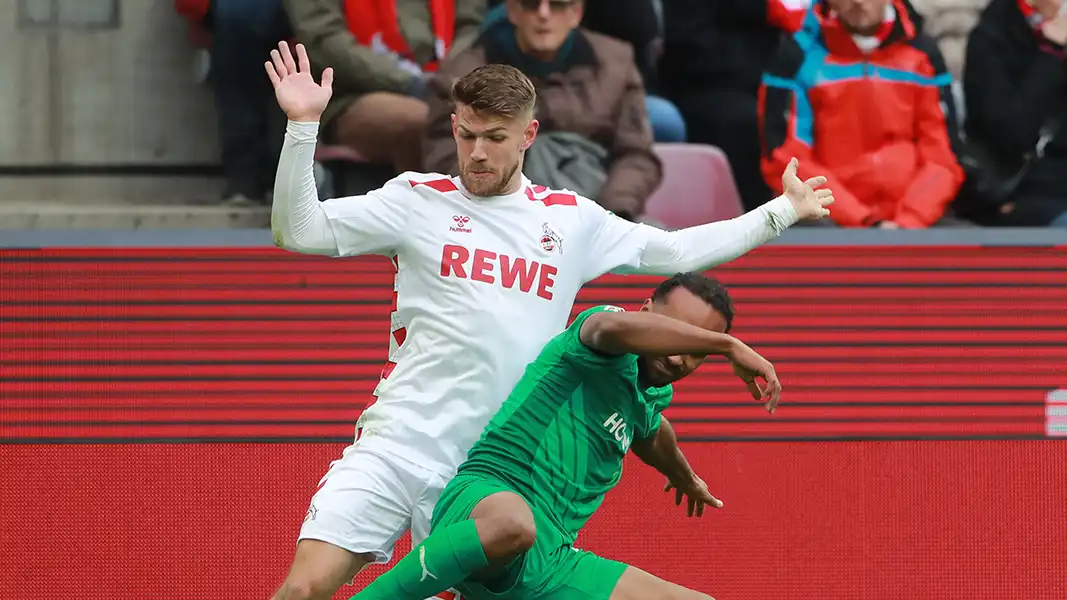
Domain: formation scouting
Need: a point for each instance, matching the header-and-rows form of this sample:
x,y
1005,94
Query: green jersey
x,y
561,436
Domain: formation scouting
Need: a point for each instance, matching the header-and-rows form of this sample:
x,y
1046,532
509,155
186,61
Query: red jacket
x,y
194,10
881,126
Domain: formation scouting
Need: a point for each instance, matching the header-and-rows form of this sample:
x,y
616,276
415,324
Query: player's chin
x,y
482,184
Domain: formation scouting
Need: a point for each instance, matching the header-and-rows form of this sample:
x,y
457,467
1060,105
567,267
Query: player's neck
x,y
513,185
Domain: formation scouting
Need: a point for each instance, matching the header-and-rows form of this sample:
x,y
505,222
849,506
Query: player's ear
x,y
530,134
647,305
455,132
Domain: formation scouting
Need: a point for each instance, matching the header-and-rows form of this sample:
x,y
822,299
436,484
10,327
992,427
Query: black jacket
x,y
1012,87
722,44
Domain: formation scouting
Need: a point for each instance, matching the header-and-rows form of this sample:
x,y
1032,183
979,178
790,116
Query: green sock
x,y
447,557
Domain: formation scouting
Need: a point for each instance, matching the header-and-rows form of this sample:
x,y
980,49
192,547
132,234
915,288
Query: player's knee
x,y
301,589
514,534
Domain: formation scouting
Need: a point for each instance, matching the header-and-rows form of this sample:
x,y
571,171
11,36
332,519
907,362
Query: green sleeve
x,y
655,401
585,357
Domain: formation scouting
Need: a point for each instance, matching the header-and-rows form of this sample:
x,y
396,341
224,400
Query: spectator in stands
x,y
382,53
243,32
949,22
714,53
591,105
859,95
638,22
1015,87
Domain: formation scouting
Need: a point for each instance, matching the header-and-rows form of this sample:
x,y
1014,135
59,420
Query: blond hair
x,y
497,90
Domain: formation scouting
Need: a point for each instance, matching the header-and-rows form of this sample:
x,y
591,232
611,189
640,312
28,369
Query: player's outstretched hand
x,y
697,494
809,202
748,365
298,95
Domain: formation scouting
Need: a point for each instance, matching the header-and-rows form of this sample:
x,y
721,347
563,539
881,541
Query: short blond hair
x,y
497,90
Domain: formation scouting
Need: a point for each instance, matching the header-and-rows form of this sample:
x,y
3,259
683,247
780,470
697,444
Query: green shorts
x,y
552,569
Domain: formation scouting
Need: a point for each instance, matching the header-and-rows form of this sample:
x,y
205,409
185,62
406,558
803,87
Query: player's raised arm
x,y
649,334
298,221
704,246
625,247
646,333
373,223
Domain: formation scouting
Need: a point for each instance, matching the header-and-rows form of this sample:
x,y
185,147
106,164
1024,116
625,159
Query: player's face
x,y
490,150
683,305
861,16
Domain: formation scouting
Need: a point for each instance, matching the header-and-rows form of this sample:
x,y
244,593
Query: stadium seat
x,y
330,153
698,187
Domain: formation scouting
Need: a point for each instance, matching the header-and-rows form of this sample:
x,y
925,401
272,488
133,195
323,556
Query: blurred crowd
x,y
921,113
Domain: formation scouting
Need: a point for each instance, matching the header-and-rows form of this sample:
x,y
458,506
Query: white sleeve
x,y
297,219
369,224
624,247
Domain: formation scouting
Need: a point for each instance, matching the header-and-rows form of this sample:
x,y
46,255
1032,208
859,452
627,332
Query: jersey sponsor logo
x,y
611,308
486,266
616,426
550,240
460,223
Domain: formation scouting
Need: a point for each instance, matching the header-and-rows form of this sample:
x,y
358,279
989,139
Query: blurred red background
x,y
166,415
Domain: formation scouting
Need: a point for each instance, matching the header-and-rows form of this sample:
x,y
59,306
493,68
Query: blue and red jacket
x,y
881,125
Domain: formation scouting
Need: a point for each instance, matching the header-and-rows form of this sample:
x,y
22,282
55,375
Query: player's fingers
x,y
754,389
287,58
815,182
692,508
822,194
302,61
327,78
678,495
272,74
712,500
774,392
279,64
791,168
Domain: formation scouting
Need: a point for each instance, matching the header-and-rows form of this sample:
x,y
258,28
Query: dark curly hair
x,y
707,289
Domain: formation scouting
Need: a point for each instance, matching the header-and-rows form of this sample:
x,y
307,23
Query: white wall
x,y
79,90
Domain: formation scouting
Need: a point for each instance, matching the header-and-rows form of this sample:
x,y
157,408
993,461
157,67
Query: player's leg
x,y
571,574
422,521
635,584
319,569
479,525
385,128
361,509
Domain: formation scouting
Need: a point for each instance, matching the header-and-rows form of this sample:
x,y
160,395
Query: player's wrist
x,y
686,479
303,131
733,346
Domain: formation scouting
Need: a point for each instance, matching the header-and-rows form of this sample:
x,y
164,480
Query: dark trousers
x,y
728,119
251,125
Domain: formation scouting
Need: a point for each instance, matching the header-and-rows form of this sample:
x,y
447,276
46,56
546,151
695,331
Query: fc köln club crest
x,y
550,241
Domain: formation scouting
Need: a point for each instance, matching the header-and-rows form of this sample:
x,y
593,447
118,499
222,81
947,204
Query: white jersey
x,y
481,285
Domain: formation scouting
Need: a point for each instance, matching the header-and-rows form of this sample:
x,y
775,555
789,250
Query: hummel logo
x,y
460,223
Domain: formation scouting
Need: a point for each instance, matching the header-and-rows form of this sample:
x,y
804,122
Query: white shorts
x,y
369,498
